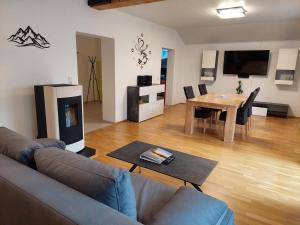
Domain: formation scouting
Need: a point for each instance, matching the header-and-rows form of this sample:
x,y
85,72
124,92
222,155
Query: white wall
x,y
269,91
58,21
108,79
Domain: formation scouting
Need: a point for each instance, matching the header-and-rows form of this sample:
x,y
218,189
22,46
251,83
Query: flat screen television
x,y
246,63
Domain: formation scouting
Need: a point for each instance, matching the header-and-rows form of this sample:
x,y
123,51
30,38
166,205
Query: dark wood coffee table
x,y
185,167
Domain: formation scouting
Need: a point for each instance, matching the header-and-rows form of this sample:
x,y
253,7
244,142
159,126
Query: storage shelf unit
x,y
209,65
145,102
270,109
286,66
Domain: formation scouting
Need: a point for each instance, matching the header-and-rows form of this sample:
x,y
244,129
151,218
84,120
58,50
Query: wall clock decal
x,y
28,37
140,50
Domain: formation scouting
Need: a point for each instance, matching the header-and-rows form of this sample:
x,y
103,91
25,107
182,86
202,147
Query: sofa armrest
x,y
18,147
190,207
51,142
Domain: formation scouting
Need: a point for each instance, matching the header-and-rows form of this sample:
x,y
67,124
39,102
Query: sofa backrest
x,y
28,197
107,184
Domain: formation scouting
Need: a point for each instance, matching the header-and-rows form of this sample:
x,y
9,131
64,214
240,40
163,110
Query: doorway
x,y
166,72
164,69
90,63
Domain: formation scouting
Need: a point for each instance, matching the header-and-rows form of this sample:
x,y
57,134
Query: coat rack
x,y
93,79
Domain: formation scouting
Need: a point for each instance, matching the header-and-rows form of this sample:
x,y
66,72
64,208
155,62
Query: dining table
x,y
226,102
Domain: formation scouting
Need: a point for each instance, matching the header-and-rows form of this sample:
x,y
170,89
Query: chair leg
x,y
223,130
204,126
211,122
246,129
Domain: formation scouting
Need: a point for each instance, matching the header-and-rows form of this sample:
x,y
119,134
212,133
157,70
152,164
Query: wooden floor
x,y
258,176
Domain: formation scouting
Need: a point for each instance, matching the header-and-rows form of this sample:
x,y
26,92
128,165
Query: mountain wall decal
x,y
28,37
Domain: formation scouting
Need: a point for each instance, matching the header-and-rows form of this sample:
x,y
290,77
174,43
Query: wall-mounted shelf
x,y
284,82
286,66
208,78
209,65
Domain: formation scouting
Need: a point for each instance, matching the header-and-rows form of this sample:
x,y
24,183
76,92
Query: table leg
x,y
132,168
197,187
189,118
230,125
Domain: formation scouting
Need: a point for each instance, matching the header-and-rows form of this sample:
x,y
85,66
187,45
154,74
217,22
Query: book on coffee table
x,y
157,155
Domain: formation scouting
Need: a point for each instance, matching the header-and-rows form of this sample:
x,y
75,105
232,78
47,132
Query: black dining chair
x,y
202,89
200,113
242,113
250,108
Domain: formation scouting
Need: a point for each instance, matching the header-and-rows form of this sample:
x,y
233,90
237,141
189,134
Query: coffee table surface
x,y
185,167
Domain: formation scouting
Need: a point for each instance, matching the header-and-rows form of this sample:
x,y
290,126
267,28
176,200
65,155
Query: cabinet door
x,y
147,111
209,59
287,59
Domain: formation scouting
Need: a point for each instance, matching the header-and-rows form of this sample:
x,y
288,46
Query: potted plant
x,y
239,89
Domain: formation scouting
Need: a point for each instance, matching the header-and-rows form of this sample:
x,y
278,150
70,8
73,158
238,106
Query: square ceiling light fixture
x,y
233,12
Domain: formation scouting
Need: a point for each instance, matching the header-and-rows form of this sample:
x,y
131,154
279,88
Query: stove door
x,y
70,119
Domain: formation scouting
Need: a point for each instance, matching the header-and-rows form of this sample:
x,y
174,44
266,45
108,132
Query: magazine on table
x,y
157,155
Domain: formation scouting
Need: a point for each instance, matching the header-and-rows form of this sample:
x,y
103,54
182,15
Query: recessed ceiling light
x,y
229,13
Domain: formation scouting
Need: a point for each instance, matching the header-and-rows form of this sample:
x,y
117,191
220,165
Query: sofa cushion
x,y
151,196
51,142
106,184
190,207
17,147
28,197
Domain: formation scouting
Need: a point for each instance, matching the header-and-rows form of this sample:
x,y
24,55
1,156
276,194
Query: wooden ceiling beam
x,y
112,4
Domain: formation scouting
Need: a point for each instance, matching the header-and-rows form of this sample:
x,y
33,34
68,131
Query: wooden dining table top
x,y
219,100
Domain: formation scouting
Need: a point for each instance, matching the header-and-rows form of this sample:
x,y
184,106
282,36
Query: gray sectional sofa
x,y
40,183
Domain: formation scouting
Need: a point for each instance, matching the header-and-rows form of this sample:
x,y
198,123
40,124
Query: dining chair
x,y
202,89
242,113
200,113
250,108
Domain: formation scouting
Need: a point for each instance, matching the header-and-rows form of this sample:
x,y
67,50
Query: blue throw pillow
x,y
106,184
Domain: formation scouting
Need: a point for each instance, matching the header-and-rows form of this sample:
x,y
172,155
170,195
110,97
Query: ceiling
x,y
197,21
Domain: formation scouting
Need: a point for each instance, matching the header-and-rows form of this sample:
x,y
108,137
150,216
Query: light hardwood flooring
x,y
258,176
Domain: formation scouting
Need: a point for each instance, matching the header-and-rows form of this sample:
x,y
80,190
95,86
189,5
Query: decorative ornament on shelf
x,y
239,89
28,37
140,51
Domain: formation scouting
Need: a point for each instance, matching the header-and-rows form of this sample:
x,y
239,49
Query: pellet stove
x,y
59,111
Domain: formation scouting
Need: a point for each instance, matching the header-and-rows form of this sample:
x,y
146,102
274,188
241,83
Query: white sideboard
x,y
145,102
